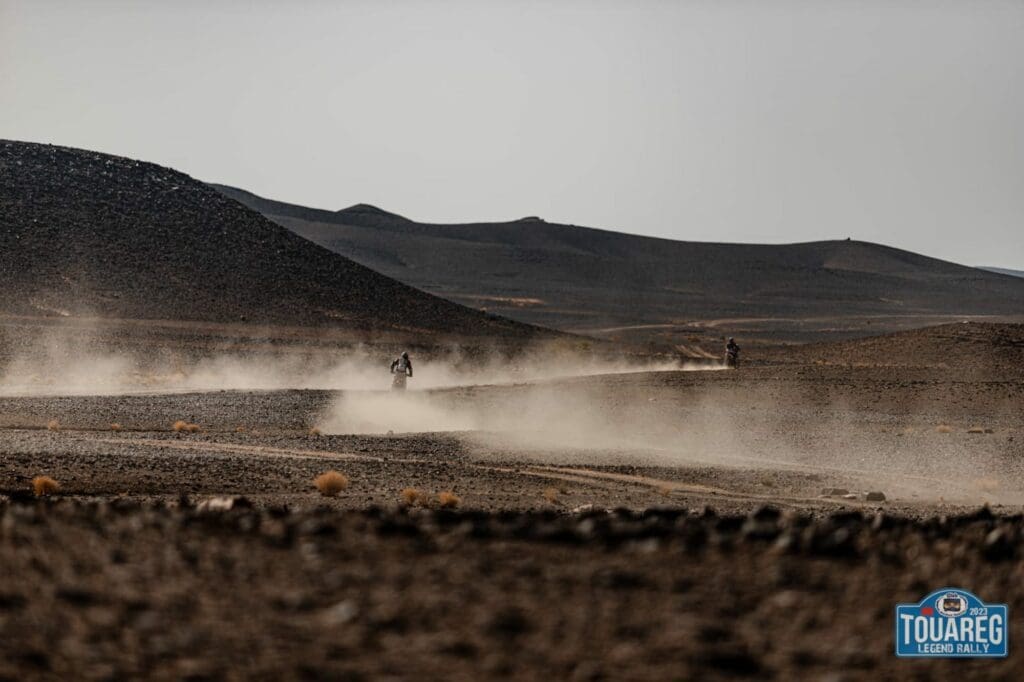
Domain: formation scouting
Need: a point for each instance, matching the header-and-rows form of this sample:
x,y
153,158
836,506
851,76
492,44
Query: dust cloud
x,y
571,408
772,440
56,365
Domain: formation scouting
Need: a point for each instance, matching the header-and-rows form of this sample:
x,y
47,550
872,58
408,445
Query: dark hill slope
x,y
92,234
990,350
580,278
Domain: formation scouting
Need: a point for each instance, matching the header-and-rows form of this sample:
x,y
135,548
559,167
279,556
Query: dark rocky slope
x,y
579,278
83,233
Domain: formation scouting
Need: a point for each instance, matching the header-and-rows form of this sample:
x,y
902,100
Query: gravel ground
x,y
685,438
120,590
668,525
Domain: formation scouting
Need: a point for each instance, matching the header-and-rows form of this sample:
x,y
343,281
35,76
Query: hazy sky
x,y
897,122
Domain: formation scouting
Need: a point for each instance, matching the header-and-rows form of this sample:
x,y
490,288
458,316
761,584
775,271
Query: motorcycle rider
x,y
732,353
401,368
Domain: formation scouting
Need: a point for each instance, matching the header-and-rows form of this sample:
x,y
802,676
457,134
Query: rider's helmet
x,y
731,340
405,354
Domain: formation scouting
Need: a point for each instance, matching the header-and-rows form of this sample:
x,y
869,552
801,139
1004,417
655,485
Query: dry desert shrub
x,y
330,483
411,496
944,428
975,429
665,491
44,485
448,500
551,495
53,425
239,429
182,426
315,432
115,427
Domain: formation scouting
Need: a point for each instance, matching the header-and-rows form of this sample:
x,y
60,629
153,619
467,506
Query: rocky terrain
x,y
629,287
116,590
756,523
992,350
93,235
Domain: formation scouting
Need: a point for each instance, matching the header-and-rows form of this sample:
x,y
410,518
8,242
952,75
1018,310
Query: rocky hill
x,y
88,234
583,279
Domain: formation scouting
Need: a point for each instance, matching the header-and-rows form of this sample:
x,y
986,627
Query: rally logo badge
x,y
951,623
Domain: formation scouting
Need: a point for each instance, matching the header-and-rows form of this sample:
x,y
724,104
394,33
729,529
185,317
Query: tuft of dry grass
x,y
976,429
315,432
53,425
44,485
944,428
330,483
182,426
551,495
665,491
411,496
448,500
239,429
115,427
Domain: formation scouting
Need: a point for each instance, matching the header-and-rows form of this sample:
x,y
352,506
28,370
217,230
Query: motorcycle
x,y
732,357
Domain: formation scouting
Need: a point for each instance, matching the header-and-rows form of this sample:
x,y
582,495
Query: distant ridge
x,y
366,214
89,234
1003,271
611,283
368,211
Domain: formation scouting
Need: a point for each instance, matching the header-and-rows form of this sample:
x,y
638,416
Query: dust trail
x,y
568,408
732,426
54,364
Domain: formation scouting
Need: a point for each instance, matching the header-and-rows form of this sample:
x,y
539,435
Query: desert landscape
x,y
204,473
